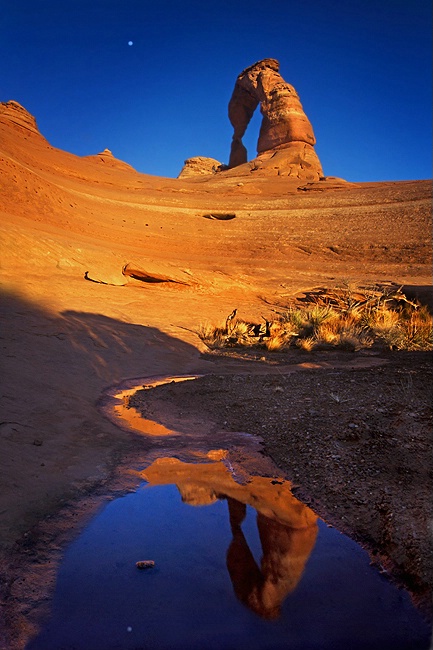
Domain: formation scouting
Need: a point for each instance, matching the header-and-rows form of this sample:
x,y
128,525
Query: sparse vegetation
x,y
344,317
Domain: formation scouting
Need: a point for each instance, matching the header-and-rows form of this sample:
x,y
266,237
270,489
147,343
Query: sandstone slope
x,y
107,273
65,218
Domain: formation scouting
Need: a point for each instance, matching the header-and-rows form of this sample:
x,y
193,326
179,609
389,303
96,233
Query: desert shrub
x,y
407,329
344,318
306,321
295,317
240,334
279,340
344,331
214,337
319,315
418,328
308,343
276,343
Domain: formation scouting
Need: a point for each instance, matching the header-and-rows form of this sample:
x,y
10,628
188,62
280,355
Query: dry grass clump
x,y
215,337
344,318
407,329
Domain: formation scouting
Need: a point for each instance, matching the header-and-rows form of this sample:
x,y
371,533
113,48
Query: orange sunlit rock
x,y
286,141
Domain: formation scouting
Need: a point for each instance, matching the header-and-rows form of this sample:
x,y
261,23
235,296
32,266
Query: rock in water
x,y
285,128
145,564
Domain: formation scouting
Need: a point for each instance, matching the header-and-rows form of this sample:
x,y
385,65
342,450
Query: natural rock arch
x,y
284,125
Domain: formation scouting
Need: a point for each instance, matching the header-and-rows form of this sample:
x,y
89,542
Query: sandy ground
x,y
66,221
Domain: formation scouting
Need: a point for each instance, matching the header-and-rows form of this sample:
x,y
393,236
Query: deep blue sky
x,y
362,70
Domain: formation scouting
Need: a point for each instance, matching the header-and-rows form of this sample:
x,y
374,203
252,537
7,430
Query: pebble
x,y
145,564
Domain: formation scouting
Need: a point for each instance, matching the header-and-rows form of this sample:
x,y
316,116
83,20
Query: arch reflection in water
x,y
210,562
287,528
285,552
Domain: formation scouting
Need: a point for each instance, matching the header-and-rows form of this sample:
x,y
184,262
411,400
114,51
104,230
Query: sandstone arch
x,y
285,127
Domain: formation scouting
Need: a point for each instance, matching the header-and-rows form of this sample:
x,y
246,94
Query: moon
x,y
130,42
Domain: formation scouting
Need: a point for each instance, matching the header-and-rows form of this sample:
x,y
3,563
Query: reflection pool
x,y
227,575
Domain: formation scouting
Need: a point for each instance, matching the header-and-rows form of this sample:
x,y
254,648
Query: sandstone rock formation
x,y
286,135
200,166
109,160
18,115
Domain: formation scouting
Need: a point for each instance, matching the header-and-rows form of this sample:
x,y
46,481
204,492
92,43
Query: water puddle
x,y
236,565
129,417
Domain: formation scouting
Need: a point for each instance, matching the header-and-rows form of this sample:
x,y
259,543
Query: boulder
x,y
200,166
